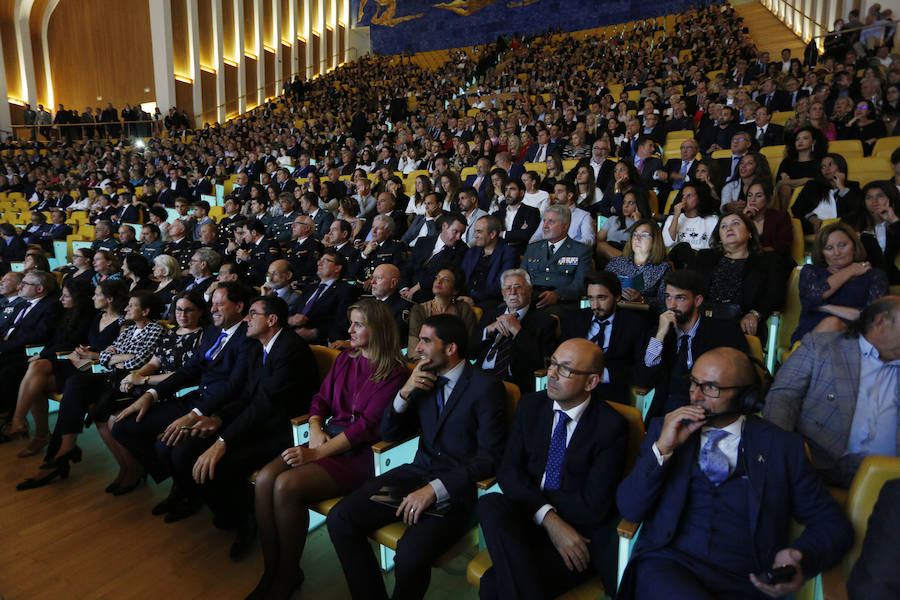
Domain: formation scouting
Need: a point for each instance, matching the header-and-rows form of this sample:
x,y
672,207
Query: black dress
x,y
96,339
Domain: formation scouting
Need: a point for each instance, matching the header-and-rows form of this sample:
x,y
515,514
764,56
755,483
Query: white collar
x,y
575,413
268,347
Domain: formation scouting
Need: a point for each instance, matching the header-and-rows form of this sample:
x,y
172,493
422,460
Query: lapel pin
x,y
761,459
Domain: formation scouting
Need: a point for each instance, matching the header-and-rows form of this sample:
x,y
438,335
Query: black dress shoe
x,y
169,503
243,540
73,455
61,470
184,508
122,489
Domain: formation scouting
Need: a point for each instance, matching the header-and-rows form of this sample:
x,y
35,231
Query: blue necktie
x,y
683,172
713,461
265,355
215,347
439,392
556,454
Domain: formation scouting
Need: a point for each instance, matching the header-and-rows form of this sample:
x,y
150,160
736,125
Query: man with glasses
x,y
322,313
553,526
33,323
512,339
278,283
683,333
202,265
716,488
679,171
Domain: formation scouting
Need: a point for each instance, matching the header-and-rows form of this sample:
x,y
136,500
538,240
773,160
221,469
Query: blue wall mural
x,y
398,26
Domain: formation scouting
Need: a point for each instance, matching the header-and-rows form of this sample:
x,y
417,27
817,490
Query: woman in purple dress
x,y
343,423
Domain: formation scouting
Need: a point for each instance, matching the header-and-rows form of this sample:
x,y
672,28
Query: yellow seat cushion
x,y
390,535
325,506
589,590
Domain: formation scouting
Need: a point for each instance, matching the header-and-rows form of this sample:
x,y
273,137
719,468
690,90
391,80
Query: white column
x,y
193,23
323,45
5,118
45,47
829,13
335,42
26,56
218,32
163,56
307,35
345,17
239,49
276,42
292,28
259,51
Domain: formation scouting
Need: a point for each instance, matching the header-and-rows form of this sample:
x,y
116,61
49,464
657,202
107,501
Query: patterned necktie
x,y
553,470
683,171
501,353
439,392
312,299
215,347
600,338
713,461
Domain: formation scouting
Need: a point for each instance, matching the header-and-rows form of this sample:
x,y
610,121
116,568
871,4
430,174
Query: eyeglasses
x,y
710,389
254,313
513,288
30,283
185,311
564,371
642,235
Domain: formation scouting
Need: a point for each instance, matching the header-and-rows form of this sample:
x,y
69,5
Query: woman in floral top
x,y
132,350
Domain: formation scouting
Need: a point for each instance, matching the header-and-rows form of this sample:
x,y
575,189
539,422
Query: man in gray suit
x,y
278,283
841,392
557,264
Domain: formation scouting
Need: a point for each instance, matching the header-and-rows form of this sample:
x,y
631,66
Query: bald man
x,y
716,488
385,280
555,520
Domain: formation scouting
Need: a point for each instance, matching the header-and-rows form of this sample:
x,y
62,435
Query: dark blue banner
x,y
399,26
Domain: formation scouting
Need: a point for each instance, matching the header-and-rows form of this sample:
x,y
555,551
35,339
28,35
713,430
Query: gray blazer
x,y
815,395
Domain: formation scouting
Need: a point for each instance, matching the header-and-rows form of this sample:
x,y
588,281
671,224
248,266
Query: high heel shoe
x,y
8,434
61,470
124,489
35,446
73,455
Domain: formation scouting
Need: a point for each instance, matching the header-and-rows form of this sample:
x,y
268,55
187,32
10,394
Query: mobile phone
x,y
780,574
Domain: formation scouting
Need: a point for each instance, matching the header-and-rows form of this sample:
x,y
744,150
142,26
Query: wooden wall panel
x,y
270,74
285,30
285,73
301,52
249,28
184,98
268,39
250,72
329,49
37,50
228,45
205,27
115,63
231,91
208,89
181,47
317,59
342,41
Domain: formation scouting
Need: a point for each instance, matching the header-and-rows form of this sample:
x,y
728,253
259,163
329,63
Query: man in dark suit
x,y
33,323
381,248
682,335
424,226
249,431
646,164
10,285
512,340
278,283
322,219
322,315
481,181
764,131
542,150
202,266
430,253
771,97
257,250
57,229
202,186
385,205
304,252
219,367
514,170
548,530
164,195
618,332
178,184
12,247
485,261
652,129
385,279
740,145
519,220
679,171
241,189
458,410
127,211
339,238
716,489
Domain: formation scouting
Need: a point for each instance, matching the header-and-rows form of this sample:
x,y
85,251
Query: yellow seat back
x,y
790,314
871,476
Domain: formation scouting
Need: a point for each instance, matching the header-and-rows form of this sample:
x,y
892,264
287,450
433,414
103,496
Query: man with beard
x,y
683,334
619,333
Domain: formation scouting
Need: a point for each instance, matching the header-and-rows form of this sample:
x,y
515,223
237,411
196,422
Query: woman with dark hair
x,y
447,287
838,284
802,153
751,167
693,220
416,205
865,126
344,419
106,266
554,174
625,178
174,348
744,283
136,270
613,234
159,217
879,227
773,226
644,254
829,195
348,210
328,196
131,350
708,172
73,329
35,258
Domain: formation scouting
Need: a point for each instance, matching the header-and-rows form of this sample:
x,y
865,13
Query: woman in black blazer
x,y
744,284
829,195
879,227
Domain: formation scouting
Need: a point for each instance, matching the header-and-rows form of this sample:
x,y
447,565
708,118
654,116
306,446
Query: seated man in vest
x,y
840,392
716,489
553,524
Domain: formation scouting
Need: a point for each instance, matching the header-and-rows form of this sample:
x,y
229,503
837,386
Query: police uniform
x,y
151,250
389,252
225,222
563,272
304,258
400,308
280,228
262,254
181,251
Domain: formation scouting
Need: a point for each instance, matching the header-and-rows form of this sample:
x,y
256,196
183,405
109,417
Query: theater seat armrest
x,y
301,420
540,372
382,447
641,391
627,529
486,484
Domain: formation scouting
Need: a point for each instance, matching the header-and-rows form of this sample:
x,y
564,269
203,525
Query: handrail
x,y
799,10
855,29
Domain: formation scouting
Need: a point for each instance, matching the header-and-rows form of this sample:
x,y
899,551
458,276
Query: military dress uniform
x,y
389,252
151,250
280,227
262,254
304,259
123,250
181,251
562,271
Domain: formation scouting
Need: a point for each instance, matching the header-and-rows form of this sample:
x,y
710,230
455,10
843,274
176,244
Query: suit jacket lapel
x,y
753,452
